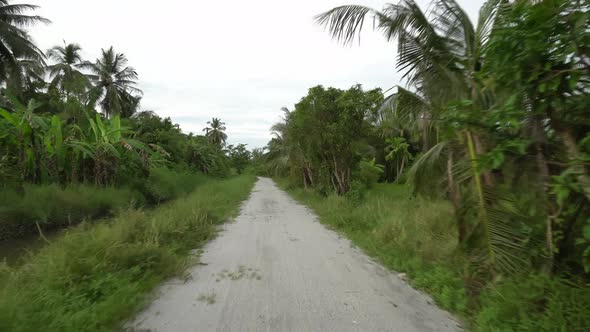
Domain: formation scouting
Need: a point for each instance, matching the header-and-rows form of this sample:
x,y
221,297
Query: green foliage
x,y
164,184
416,236
369,172
239,156
534,303
398,151
96,276
319,141
216,132
495,112
114,83
207,157
60,141
52,206
19,54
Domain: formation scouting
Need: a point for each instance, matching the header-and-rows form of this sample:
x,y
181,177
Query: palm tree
x,y
440,54
15,42
215,131
115,83
65,73
25,80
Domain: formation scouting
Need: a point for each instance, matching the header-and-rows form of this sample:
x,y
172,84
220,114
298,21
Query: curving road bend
x,y
276,268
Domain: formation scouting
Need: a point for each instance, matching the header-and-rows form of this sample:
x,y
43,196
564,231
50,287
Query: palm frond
x,y
344,23
426,167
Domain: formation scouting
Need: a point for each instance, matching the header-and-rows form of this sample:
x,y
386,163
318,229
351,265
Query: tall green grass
x,y
164,184
418,236
53,206
97,275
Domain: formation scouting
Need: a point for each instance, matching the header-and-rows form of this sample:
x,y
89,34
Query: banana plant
x,y
27,128
104,144
397,150
55,151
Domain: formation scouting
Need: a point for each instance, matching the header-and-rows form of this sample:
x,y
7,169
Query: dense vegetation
x,y
473,177
74,146
490,131
74,143
94,277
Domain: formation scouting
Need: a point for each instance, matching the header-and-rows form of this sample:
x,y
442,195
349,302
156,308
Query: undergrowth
x,y
418,236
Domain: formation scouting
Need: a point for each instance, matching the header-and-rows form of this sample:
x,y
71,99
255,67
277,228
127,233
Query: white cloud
x,y
237,60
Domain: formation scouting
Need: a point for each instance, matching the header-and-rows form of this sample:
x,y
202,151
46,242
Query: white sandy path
x,y
303,277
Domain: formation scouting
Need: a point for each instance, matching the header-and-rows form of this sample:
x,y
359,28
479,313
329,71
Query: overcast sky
x,y
237,60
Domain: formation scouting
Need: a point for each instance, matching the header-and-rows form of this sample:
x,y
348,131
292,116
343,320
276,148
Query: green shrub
x,y
534,303
52,206
164,184
369,172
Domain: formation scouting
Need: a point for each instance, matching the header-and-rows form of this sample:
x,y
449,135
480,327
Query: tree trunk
x,y
488,177
304,180
400,170
339,177
425,136
455,198
540,139
480,195
332,176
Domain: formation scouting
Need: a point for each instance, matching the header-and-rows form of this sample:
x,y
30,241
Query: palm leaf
x,y
344,23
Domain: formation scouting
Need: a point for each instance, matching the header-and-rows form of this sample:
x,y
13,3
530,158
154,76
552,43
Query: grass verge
x,y
95,276
418,236
53,206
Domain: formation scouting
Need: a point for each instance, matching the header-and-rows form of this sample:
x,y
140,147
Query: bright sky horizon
x,y
235,60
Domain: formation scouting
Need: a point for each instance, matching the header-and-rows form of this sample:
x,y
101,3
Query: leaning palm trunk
x,y
480,150
482,211
539,135
455,195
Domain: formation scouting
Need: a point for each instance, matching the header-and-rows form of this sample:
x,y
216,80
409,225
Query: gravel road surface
x,y
276,268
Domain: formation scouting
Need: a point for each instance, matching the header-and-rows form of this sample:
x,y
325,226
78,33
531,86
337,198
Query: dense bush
x,y
369,172
164,184
534,302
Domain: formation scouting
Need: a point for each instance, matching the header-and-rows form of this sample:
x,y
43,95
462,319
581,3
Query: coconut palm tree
x,y
66,71
15,42
215,131
440,53
115,83
25,80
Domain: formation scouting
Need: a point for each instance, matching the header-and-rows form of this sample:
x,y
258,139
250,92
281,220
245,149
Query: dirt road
x,y
277,269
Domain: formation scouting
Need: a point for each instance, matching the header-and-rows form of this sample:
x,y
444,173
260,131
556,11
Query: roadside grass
x,y
418,236
97,275
53,206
